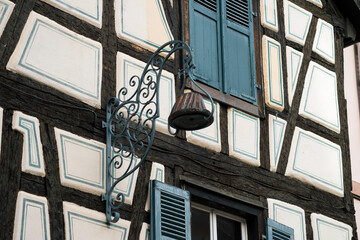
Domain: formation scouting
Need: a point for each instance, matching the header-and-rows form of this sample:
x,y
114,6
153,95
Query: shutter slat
x,y
277,231
210,4
170,212
238,12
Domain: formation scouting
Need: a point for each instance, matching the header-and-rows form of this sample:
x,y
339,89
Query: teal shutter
x,y
277,231
204,39
170,212
239,57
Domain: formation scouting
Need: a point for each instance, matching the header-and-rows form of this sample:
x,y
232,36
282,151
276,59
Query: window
x,y
211,224
222,36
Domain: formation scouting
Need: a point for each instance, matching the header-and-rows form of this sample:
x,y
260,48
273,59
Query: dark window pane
x,y
228,229
200,225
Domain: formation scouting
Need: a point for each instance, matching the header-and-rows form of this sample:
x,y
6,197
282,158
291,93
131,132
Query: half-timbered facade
x,y
276,159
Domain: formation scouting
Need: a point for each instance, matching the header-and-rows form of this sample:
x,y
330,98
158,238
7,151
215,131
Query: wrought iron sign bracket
x,y
131,117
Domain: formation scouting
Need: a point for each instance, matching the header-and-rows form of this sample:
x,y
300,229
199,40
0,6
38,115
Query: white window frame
x,y
213,223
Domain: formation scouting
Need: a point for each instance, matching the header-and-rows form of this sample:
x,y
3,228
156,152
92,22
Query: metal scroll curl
x,y
130,122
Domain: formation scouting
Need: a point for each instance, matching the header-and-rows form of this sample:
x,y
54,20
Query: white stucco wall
x,y
353,110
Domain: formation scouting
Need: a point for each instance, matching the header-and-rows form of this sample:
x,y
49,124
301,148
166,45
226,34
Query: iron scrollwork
x,y
130,121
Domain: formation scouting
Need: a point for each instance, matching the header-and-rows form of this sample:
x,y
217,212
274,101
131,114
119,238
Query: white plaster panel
x,y
325,228
357,215
33,157
31,217
208,137
6,8
319,101
273,75
293,61
297,22
128,67
244,137
276,137
324,41
1,125
142,22
157,173
316,2
309,153
86,224
83,166
268,12
289,215
60,58
145,232
87,10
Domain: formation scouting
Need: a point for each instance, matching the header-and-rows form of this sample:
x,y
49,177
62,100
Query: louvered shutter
x,y
238,45
170,212
277,231
205,40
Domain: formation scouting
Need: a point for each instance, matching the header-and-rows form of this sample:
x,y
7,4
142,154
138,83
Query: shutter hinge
x,y
258,86
254,14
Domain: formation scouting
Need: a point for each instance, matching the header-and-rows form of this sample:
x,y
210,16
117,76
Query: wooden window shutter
x,y
205,40
238,50
277,231
170,212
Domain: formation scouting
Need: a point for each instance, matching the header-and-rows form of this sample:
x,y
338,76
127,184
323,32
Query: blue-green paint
x,y
310,175
22,62
35,204
159,175
294,74
4,9
277,142
96,17
337,124
302,38
300,214
320,221
146,41
130,178
216,122
126,78
106,225
236,113
274,13
279,102
29,127
331,55
101,150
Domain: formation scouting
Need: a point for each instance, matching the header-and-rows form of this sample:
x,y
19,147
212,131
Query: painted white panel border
x,y
127,67
145,232
268,11
289,215
297,22
209,137
142,22
309,153
319,101
273,75
1,125
157,173
31,217
53,55
6,8
32,157
316,2
324,41
277,128
83,166
244,137
81,162
89,10
84,223
325,228
293,61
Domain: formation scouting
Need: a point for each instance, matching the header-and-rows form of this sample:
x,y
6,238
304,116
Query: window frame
x,y
221,97
213,212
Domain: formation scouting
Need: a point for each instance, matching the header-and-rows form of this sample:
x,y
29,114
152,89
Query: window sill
x,y
229,100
